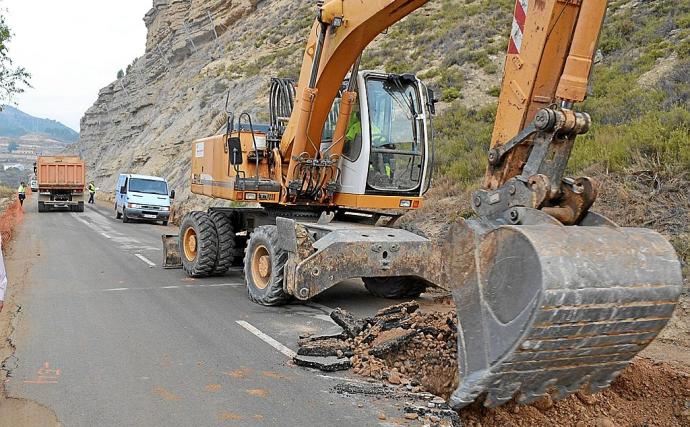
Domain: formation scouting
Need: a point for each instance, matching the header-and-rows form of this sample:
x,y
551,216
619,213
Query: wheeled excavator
x,y
550,295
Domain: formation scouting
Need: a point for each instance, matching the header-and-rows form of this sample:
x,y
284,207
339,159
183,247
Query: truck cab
x,y
142,197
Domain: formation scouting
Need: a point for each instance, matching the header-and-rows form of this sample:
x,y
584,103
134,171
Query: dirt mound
x,y
421,352
645,394
416,349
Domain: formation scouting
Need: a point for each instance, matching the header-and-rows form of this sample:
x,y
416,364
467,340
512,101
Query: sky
x,y
72,48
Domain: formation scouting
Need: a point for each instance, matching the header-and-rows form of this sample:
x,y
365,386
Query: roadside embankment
x,y
15,412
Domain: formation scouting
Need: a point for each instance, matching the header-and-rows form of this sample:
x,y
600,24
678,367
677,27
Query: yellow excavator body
x,y
550,295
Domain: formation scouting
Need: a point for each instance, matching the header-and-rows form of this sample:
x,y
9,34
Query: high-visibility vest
x,y
21,189
92,188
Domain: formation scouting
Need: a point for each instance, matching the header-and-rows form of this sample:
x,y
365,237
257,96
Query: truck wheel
x,y
226,242
80,207
394,287
264,265
41,207
118,215
198,244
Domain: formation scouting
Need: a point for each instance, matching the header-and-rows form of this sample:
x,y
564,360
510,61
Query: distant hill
x,y
15,123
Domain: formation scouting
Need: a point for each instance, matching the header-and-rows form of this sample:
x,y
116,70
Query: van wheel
x,y
165,223
198,244
118,215
264,267
125,218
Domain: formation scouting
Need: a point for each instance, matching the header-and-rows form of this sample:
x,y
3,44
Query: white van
x,y
142,197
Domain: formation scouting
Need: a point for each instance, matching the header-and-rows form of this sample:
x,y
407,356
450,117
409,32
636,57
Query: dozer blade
x,y
171,251
547,309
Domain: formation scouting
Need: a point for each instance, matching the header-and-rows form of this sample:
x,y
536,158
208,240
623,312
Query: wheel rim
x,y
189,242
261,267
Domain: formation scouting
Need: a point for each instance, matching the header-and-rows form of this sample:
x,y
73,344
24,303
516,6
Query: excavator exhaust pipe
x,y
547,309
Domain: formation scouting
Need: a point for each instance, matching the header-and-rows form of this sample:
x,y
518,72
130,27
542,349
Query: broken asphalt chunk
x,y
348,322
329,347
328,364
336,332
387,346
407,307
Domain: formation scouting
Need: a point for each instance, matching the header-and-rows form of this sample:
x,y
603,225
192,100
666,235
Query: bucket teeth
x,y
498,396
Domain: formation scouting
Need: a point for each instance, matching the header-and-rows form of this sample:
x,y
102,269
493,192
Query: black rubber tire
x,y
80,207
207,244
165,223
226,242
41,207
394,287
125,218
118,215
273,293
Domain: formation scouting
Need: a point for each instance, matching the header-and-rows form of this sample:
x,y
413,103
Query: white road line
x,y
225,284
268,340
169,287
146,260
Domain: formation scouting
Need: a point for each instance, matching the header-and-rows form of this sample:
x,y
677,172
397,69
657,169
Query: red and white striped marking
x,y
518,26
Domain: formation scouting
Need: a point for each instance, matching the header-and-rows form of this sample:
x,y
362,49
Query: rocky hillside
x,y
145,121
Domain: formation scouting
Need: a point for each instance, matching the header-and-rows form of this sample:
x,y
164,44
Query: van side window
x,y
124,185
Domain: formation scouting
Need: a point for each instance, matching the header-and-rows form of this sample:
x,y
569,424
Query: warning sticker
x,y
199,149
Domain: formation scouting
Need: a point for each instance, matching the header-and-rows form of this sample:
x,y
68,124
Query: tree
x,y
12,79
120,74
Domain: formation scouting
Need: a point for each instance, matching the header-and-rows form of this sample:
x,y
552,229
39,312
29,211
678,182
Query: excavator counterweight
x,y
550,295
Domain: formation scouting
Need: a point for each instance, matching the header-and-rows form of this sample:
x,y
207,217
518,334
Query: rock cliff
x,y
199,51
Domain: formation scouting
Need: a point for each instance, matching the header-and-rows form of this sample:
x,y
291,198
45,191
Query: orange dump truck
x,y
61,183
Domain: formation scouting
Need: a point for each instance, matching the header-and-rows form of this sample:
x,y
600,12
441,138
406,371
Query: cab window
x,y
396,134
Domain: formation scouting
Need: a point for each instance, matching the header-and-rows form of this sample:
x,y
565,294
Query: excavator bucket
x,y
548,309
171,251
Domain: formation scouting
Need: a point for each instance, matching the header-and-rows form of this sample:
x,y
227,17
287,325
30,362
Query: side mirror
x,y
172,194
431,100
235,150
123,190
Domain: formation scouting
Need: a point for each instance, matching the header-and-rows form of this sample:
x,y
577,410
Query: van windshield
x,y
148,186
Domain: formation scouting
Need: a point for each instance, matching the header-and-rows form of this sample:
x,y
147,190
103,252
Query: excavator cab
x,y
388,136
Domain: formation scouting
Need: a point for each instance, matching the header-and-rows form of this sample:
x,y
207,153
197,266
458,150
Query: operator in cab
x,y
353,138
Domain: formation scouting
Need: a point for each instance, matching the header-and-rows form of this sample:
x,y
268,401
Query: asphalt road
x,y
107,337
